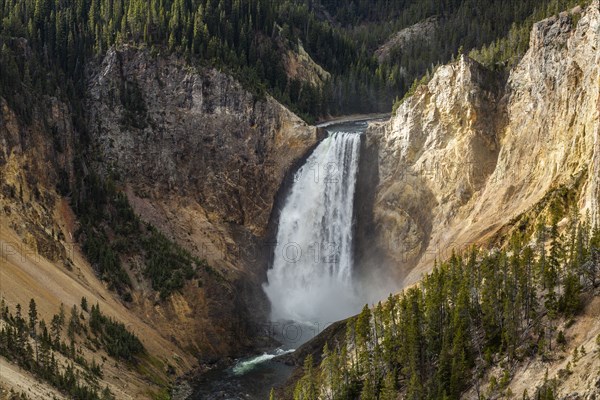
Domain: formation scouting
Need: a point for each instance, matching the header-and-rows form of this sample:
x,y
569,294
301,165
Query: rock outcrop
x,y
422,31
35,158
299,65
472,149
40,259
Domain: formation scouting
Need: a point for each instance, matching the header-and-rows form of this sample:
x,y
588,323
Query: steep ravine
x,y
40,259
206,161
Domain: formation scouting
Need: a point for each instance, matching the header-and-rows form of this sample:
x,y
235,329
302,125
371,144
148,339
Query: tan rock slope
x,y
38,256
472,150
300,65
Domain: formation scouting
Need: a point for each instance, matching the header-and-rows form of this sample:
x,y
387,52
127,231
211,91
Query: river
x,y
311,282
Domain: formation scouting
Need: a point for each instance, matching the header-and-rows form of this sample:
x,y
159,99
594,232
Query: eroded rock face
x,y
471,150
35,161
203,160
199,157
171,129
434,155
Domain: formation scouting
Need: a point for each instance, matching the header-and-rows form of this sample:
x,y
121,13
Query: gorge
x,y
173,224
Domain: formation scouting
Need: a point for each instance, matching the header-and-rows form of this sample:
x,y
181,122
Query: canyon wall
x,y
199,157
203,160
474,149
193,133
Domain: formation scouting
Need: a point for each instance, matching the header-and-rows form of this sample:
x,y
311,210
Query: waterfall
x,y
311,278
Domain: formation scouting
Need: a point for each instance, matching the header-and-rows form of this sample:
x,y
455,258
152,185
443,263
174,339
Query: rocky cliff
x,y
199,157
473,149
40,260
35,158
172,129
202,159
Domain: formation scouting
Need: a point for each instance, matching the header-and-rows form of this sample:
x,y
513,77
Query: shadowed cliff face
x,y
198,156
472,150
203,160
171,129
36,158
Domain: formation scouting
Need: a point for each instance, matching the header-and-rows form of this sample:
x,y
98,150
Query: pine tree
x,y
363,338
74,324
555,257
592,269
570,301
33,318
307,388
541,250
388,391
331,373
461,363
369,389
61,315
415,388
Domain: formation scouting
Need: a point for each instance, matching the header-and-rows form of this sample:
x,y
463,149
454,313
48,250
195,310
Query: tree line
x,y
248,38
469,24
505,52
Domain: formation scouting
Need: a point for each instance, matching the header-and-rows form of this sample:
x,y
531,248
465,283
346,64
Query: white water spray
x,y
245,366
311,278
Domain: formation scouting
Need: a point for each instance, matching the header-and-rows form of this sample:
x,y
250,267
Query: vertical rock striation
x,y
473,149
174,129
